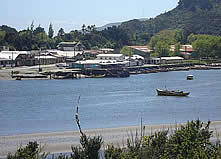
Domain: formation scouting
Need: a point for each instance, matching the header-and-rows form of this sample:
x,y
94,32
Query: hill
x,y
193,16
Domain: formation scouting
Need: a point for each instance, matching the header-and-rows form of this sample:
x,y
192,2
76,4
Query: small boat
x,y
18,78
95,76
189,77
171,93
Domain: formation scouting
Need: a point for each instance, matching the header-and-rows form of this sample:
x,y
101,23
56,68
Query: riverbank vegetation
x,y
192,140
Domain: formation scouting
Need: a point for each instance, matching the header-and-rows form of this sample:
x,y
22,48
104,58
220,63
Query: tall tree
x,y
38,30
61,32
50,31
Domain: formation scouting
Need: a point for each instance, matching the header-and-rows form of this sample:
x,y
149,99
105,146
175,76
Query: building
x,y
70,46
185,50
171,60
154,60
10,57
116,57
166,60
141,50
4,48
102,61
135,60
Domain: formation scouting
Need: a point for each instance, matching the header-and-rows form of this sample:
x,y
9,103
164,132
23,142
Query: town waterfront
x,y
35,106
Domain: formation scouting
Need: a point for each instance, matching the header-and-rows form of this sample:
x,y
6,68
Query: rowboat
x,y
166,92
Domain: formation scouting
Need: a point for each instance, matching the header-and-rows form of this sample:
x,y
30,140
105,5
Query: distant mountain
x,y
108,25
193,16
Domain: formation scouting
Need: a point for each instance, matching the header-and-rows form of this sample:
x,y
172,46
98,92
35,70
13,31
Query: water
x,y
33,106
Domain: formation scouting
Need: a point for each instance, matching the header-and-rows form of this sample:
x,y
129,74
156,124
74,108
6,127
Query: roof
x,y
93,51
135,57
108,55
184,48
107,49
101,62
12,55
141,48
65,53
172,58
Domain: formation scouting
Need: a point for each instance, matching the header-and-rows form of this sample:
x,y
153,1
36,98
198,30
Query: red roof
x,y
141,48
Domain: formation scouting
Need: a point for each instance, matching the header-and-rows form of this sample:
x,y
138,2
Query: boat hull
x,y
171,93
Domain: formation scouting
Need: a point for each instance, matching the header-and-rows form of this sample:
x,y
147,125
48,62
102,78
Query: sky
x,y
72,14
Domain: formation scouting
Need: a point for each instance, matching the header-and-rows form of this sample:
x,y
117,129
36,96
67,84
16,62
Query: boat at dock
x,y
166,92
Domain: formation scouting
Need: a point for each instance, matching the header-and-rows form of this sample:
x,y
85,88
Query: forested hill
x,y
193,16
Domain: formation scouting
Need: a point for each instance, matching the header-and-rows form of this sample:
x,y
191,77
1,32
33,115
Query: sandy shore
x,y
61,141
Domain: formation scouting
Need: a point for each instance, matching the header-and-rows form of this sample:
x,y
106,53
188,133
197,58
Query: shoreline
x,y
57,142
5,74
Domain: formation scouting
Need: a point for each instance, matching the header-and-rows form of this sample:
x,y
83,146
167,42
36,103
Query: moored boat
x,y
189,77
166,92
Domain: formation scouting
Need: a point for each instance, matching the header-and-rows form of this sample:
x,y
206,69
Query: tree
x,y
162,49
165,36
39,29
180,36
2,36
126,51
83,28
61,32
50,31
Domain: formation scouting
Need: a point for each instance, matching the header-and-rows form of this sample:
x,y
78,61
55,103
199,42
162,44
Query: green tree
x,y
126,51
163,36
50,31
180,36
202,48
2,36
31,151
61,32
39,29
162,49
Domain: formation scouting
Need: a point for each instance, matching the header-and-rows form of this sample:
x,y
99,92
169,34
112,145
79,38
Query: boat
x,y
95,76
189,77
18,78
166,92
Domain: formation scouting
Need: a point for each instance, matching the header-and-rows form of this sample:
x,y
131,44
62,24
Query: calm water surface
x,y
32,106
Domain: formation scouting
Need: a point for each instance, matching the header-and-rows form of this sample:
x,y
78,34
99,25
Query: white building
x,y
116,57
171,60
166,60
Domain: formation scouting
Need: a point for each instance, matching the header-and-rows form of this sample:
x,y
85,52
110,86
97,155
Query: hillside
x,y
193,16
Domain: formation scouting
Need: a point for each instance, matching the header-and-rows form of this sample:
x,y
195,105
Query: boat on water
x,y
166,92
95,76
189,77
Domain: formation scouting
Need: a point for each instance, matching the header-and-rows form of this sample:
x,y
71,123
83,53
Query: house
x,y
107,50
4,48
166,60
70,46
102,61
5,62
154,60
116,57
141,50
12,56
91,54
185,50
135,60
171,60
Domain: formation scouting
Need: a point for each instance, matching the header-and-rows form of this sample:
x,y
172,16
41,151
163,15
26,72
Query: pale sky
x,y
72,14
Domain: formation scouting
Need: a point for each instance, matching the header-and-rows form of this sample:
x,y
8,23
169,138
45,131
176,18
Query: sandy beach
x,y
57,142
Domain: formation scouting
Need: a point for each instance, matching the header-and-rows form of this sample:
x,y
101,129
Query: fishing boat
x,y
95,76
189,77
166,92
